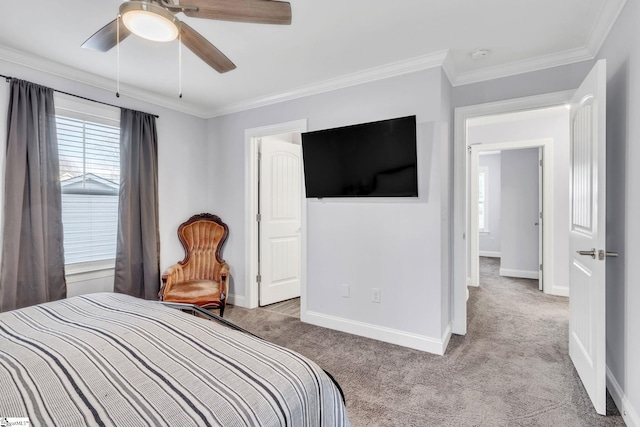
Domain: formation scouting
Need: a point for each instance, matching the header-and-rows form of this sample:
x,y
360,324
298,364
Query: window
x,y
483,207
89,152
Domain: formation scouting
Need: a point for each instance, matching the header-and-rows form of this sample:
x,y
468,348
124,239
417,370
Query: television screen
x,y
375,159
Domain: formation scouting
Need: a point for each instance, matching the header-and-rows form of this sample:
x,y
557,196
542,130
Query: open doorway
x,y
516,121
508,194
275,221
537,208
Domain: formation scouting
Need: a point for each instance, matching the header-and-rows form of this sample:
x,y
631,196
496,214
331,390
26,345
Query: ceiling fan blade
x,y
106,37
205,50
256,11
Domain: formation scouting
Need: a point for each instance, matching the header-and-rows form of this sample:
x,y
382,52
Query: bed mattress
x,y
114,360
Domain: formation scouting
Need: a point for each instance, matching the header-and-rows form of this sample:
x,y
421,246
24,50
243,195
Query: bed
x,y
114,360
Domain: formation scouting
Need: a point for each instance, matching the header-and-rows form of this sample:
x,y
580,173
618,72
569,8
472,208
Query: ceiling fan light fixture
x,y
149,21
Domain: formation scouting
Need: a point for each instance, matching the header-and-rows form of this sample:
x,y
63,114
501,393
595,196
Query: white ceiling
x,y
331,43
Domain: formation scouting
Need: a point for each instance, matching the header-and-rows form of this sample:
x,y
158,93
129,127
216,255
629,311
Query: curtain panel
x,y
137,270
32,269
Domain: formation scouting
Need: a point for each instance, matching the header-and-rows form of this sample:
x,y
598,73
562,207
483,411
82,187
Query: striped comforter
x,y
115,360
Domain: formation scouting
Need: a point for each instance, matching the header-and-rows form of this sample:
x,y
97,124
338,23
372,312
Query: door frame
x,y
546,144
460,190
251,137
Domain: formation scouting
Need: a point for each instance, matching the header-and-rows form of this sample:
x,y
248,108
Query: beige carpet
x,y
511,369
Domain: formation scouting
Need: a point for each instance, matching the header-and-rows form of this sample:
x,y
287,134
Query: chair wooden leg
x,y
222,309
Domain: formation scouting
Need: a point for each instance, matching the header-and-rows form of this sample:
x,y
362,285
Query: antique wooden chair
x,y
202,277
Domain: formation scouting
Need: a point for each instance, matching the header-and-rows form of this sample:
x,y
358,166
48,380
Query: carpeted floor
x,y
511,369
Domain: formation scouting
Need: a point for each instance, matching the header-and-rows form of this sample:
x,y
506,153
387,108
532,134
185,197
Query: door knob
x,y
602,254
591,253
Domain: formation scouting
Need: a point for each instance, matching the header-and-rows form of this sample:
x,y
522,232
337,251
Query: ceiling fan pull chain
x,y
118,56
180,62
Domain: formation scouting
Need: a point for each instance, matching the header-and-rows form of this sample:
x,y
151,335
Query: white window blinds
x,y
89,152
483,209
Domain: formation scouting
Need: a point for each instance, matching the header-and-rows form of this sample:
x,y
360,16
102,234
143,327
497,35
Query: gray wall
x,y
519,207
394,245
622,51
489,241
555,79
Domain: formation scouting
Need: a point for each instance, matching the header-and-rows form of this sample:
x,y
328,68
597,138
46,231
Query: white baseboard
x,y
471,284
490,254
629,413
238,300
380,333
523,274
561,291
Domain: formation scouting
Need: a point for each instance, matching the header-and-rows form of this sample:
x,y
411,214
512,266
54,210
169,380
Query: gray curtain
x,y
32,269
138,252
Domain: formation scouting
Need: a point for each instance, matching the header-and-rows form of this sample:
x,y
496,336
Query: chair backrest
x,y
202,237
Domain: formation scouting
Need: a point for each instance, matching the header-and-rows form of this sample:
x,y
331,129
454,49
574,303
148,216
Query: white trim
x,y
251,137
237,300
524,66
606,20
393,69
490,254
90,79
559,291
380,333
522,274
83,109
628,412
461,115
83,276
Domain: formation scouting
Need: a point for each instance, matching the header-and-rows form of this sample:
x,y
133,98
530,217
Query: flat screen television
x,y
375,159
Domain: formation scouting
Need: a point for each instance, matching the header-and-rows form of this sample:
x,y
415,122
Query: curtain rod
x,y
8,78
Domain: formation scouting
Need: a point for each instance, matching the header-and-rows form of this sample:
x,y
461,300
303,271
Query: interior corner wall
x,y
622,52
489,241
446,196
519,212
390,244
182,167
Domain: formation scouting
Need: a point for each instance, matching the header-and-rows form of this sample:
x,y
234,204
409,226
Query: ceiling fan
x,y
156,20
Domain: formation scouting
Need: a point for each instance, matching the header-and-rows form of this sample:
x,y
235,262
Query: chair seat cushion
x,y
203,293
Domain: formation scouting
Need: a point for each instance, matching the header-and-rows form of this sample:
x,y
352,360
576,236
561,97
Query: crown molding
x,y
90,79
607,17
524,66
449,68
393,69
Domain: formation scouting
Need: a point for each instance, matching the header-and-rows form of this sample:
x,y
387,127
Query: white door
x,y
540,209
587,235
280,203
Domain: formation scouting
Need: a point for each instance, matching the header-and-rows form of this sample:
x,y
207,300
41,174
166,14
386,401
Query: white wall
x,y
622,51
489,241
550,123
391,244
519,211
182,167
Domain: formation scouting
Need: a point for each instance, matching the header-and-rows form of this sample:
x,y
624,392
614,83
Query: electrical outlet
x,y
345,291
375,295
